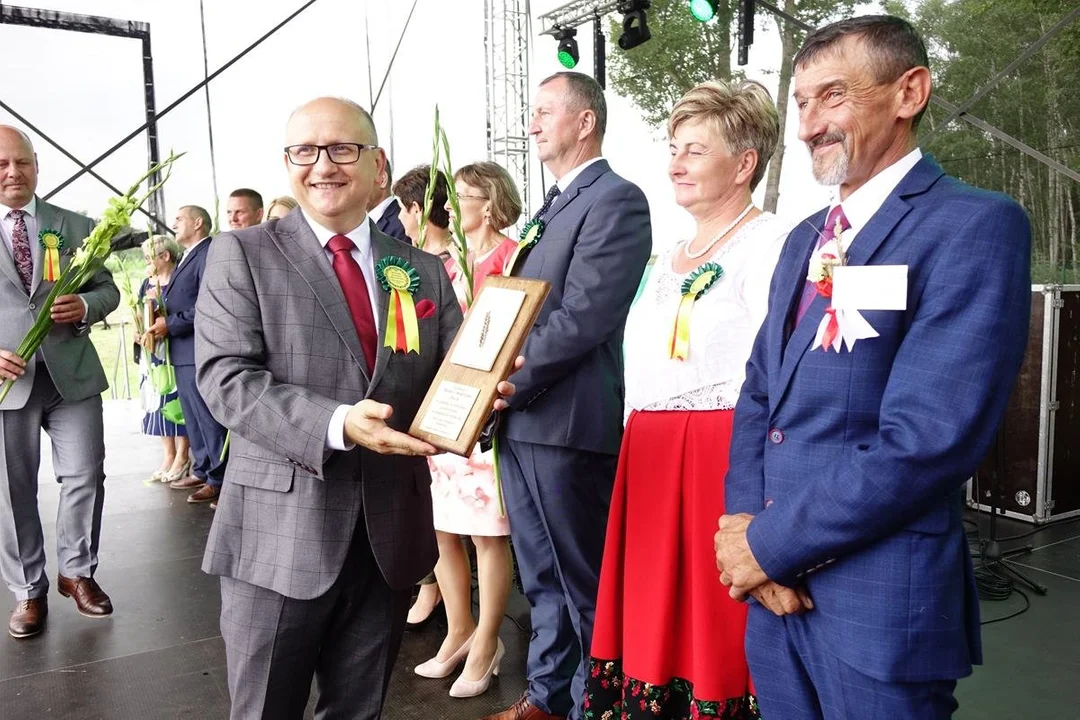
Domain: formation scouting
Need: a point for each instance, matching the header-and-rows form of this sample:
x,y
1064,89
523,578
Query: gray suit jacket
x,y
70,356
276,353
593,250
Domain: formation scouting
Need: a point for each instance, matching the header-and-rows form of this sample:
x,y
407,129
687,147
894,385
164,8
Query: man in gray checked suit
x,y
324,521
58,390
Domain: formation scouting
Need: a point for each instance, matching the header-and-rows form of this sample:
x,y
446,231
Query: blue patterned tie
x,y
552,193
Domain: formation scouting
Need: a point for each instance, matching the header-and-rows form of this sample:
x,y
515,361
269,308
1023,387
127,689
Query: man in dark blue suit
x,y
383,207
559,441
207,436
844,516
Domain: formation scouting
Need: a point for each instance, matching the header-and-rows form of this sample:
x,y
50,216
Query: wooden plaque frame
x,y
536,292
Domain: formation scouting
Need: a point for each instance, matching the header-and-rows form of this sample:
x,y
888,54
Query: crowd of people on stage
x,y
735,496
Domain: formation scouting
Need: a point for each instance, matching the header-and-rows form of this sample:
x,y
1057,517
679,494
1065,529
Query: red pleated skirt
x,y
662,617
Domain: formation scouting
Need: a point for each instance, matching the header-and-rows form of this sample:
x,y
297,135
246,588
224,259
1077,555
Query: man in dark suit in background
x,y
559,440
383,207
207,437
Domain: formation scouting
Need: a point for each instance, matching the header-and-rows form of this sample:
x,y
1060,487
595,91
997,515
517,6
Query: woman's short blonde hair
x,y
157,244
498,187
285,201
741,112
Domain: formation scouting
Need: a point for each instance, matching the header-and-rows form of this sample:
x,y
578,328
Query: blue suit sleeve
x,y
609,259
744,486
941,406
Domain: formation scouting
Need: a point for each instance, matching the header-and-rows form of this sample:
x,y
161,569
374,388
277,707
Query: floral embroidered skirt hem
x,y
668,640
611,695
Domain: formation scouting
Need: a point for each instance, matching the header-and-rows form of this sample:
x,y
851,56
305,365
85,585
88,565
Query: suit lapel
x,y
185,263
381,246
303,251
587,177
46,220
7,266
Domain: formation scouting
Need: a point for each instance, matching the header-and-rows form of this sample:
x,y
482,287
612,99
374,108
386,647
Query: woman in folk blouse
x,y
668,641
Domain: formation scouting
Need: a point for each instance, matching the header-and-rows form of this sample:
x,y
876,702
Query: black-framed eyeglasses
x,y
339,153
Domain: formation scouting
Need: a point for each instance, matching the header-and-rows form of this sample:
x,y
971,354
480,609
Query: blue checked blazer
x,y
853,463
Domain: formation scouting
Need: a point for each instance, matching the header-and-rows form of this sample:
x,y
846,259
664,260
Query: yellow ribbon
x,y
51,243
409,341
680,337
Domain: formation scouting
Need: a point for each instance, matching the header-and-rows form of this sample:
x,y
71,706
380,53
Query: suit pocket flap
x,y
261,473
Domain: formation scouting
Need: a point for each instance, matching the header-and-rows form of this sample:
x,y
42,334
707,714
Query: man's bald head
x,y
18,167
337,107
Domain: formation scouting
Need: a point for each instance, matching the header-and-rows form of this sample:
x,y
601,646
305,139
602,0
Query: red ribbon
x,y
830,330
400,324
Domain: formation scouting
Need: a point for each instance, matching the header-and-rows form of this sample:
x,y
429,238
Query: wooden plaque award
x,y
458,404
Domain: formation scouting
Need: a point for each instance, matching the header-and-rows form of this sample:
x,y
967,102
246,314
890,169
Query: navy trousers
x,y
797,678
557,501
206,435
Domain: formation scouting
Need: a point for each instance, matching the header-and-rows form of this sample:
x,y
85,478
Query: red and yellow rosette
x,y
693,287
400,279
51,242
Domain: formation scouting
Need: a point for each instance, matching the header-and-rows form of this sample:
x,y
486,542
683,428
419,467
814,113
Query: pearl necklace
x,y
716,238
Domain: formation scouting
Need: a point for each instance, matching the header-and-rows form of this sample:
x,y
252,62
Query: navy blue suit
x,y
559,441
390,224
852,463
206,435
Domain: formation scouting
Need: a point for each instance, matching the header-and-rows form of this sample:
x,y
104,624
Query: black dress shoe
x,y
439,609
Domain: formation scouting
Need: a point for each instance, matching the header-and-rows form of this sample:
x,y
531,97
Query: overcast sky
x,y
85,91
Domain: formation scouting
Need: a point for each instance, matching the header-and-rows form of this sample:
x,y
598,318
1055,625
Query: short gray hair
x,y
157,244
584,93
201,214
742,113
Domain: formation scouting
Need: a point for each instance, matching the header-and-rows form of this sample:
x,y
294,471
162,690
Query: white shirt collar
x,y
188,251
360,235
565,180
377,211
861,205
29,208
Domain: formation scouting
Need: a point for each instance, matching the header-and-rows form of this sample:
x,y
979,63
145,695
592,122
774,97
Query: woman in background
x,y
463,493
279,207
162,253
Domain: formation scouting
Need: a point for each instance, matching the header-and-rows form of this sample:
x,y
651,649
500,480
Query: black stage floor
x,y
161,655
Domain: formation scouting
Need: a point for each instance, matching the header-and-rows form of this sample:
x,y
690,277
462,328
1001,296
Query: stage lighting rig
x,y
568,47
635,25
704,10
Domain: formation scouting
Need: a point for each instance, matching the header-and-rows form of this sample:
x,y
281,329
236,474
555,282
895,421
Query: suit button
x,y
33,306
776,436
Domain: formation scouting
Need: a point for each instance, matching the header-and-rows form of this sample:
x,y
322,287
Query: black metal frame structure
x,y
97,25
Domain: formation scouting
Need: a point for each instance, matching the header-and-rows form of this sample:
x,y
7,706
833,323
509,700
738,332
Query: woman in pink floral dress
x,y
463,491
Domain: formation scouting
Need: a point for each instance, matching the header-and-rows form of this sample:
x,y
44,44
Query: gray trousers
x,y
77,433
347,639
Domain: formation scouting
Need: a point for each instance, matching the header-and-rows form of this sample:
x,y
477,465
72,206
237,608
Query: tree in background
x,y
969,42
685,52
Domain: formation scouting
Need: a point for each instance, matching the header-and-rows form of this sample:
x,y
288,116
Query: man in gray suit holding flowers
x,y
324,522
58,390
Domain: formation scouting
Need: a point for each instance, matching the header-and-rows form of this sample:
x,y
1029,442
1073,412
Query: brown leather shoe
x,y
89,597
187,483
29,618
523,710
204,494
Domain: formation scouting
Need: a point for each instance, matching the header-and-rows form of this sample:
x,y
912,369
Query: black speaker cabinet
x,y
1037,447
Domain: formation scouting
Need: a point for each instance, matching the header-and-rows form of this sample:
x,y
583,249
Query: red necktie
x,y
20,248
810,289
356,295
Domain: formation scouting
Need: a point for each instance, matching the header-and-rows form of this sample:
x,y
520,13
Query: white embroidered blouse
x,y
723,326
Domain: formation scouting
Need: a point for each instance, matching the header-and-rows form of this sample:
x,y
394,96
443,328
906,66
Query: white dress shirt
x,y
7,227
861,205
187,252
361,237
565,180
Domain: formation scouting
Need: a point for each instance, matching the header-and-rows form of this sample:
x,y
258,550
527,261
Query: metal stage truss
x,y
507,37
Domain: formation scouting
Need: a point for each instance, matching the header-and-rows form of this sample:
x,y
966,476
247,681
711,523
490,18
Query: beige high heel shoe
x,y
435,669
174,476
463,688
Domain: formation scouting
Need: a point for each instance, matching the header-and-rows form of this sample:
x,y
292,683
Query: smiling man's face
x,y
333,195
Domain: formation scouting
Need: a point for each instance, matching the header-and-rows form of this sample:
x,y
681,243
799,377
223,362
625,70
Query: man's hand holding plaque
x,y
365,424
471,380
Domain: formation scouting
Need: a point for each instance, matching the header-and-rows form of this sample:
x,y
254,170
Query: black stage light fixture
x,y
568,49
746,29
635,25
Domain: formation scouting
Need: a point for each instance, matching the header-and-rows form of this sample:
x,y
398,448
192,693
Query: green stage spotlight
x,y
568,49
703,10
